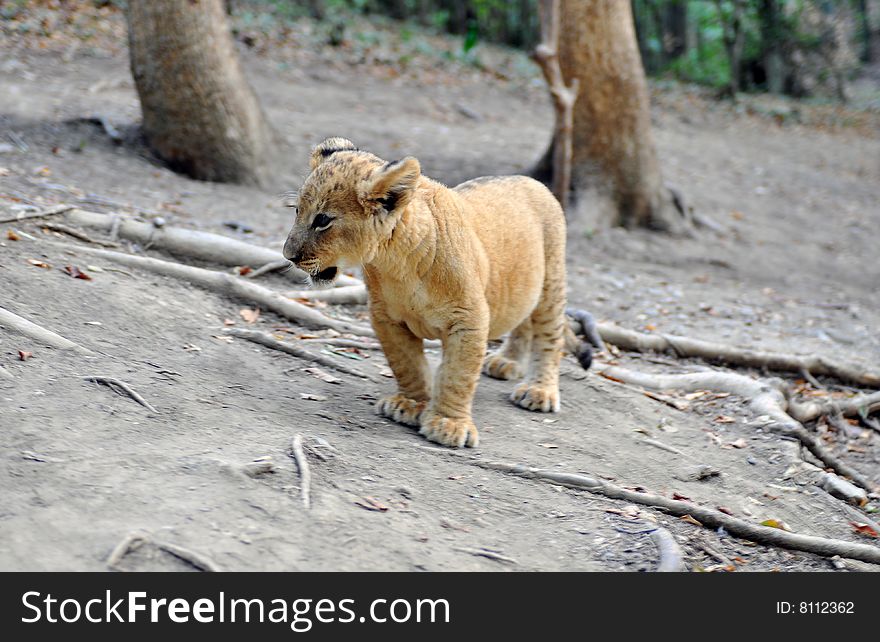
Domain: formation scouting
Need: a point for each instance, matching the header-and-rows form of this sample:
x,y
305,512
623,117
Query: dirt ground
x,y
793,268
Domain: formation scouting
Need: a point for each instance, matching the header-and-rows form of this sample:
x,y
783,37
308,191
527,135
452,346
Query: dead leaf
x,y
690,520
739,443
684,498
323,375
371,503
75,272
12,236
724,510
242,270
864,529
228,322
775,523
250,316
39,264
24,355
724,419
310,397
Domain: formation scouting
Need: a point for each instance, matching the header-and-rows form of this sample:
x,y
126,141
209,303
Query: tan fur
x,y
463,265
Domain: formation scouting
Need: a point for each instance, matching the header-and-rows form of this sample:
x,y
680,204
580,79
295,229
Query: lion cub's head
x,y
346,208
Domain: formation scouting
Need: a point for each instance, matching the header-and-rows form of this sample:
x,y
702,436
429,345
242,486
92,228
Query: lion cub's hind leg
x,y
541,391
510,361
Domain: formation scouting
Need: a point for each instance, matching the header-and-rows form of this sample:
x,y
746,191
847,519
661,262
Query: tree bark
x,y
199,113
616,179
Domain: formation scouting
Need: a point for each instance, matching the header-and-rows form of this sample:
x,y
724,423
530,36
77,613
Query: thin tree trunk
x,y
675,33
734,40
199,113
616,177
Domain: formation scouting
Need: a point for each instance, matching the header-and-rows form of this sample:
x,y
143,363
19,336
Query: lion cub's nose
x,y
291,252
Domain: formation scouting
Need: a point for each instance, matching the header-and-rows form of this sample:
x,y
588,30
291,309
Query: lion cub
x,y
463,265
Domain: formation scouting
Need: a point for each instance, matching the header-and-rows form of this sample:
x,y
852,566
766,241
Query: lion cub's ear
x,y
330,146
392,185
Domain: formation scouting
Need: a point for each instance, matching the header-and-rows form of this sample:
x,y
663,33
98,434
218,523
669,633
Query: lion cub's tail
x,y
580,348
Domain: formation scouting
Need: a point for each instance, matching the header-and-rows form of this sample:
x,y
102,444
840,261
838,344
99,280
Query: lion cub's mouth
x,y
325,276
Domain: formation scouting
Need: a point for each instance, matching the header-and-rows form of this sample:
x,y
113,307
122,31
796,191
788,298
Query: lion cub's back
x,y
501,205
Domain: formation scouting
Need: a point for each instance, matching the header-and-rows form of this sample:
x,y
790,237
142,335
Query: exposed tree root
x,y
859,406
296,449
343,343
345,295
266,340
719,353
204,246
706,516
38,333
272,266
234,287
671,557
765,398
122,388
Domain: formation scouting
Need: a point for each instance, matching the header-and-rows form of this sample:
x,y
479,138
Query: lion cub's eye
x,y
322,222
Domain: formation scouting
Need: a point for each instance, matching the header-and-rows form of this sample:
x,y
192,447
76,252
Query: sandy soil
x,y
795,269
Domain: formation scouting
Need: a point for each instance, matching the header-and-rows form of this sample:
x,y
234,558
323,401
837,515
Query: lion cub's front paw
x,y
534,397
499,367
402,409
450,432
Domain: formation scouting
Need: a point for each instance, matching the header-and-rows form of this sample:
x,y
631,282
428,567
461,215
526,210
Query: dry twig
x,y
120,387
58,209
304,473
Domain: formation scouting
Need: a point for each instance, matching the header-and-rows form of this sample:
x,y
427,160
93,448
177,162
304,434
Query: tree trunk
x,y
615,174
675,30
199,113
770,13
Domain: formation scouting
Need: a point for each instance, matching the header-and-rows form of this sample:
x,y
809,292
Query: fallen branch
x,y
214,248
764,398
120,387
719,353
38,333
303,465
58,209
707,517
671,557
235,287
82,236
268,341
345,295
